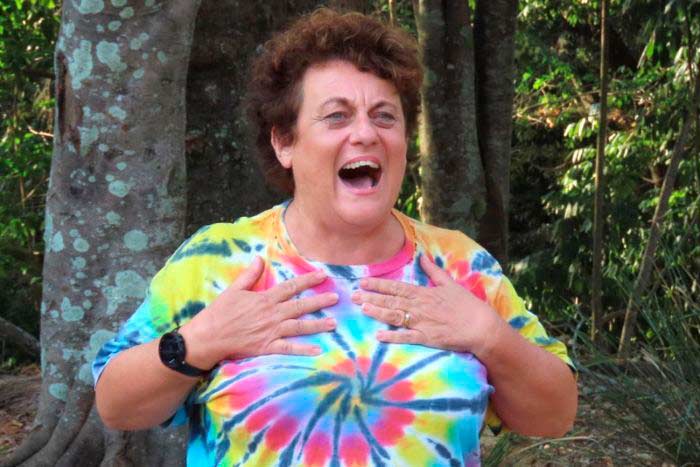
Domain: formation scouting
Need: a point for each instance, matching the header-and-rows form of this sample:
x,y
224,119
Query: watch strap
x,y
173,351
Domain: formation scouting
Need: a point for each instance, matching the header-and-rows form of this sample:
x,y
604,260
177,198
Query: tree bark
x,y
453,186
115,210
19,337
599,202
116,207
494,39
679,151
219,149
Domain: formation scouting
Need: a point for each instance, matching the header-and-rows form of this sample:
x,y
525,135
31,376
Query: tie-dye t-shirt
x,y
360,402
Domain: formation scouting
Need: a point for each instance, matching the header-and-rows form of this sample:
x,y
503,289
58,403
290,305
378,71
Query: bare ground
x,y
19,394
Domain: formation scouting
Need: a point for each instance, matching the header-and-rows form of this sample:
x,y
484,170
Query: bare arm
x,y
137,391
536,392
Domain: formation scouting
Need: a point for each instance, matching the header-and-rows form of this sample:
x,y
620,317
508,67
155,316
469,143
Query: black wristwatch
x,y
172,351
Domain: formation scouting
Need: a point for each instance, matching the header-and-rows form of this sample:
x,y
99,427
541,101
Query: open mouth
x,y
360,175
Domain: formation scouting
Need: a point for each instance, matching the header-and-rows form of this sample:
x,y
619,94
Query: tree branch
x,y
19,337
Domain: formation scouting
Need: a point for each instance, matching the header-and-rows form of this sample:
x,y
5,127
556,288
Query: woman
x,y
333,330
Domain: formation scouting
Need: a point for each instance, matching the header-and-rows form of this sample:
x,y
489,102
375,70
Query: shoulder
x,y
244,237
216,253
452,248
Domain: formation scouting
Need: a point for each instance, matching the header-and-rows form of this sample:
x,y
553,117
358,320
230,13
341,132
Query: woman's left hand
x,y
446,316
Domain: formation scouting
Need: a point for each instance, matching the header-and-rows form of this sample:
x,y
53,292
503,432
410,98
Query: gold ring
x,y
406,319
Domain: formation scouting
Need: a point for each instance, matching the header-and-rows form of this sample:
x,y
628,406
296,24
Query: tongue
x,y
359,183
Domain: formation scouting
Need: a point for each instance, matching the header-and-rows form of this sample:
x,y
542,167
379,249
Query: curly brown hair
x,y
275,93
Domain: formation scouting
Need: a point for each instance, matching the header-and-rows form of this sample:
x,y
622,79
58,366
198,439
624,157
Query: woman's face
x,y
349,154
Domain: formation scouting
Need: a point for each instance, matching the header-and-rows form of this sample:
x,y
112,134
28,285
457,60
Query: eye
x,y
384,118
336,117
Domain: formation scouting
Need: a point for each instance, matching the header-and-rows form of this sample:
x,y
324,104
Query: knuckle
x,y
286,347
265,300
299,327
289,286
298,306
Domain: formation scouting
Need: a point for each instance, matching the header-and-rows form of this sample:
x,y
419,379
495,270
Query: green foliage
x,y
556,127
403,10
27,32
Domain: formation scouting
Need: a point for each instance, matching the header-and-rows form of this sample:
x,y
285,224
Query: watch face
x,y
171,349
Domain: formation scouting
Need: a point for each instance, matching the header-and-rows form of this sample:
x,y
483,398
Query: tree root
x,y
36,440
87,449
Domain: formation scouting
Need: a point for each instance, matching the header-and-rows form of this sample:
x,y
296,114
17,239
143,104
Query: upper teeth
x,y
355,165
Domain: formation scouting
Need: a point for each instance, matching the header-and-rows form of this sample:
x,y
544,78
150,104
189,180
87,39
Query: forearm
x,y
535,391
136,391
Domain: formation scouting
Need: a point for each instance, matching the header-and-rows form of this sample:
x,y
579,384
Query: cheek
x,y
398,157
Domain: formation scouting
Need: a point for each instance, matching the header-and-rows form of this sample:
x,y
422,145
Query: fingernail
x,y
320,274
334,296
363,283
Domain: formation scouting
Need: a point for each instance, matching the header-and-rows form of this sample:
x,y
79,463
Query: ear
x,y
283,150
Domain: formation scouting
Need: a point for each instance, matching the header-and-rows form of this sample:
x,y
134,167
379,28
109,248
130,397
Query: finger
x,y
388,287
286,347
295,308
385,315
404,336
436,274
289,288
249,276
303,327
386,301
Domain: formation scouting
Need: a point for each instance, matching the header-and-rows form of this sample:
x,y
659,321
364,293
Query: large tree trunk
x,y
115,210
116,207
466,123
453,186
494,42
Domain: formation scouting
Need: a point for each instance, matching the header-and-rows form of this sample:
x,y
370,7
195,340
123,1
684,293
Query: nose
x,y
363,131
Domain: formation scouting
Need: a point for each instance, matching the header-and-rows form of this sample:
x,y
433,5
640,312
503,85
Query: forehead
x,y
341,79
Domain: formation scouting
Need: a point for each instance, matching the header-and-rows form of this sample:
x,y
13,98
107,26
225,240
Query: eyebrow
x,y
346,102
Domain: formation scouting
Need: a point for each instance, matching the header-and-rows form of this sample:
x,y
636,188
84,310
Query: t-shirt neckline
x,y
346,271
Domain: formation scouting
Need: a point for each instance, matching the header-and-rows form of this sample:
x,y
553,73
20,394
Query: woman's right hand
x,y
241,323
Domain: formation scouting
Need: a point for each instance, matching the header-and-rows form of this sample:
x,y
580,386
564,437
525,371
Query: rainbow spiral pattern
x,y
361,402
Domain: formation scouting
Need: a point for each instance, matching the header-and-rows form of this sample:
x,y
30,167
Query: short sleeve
x,y
182,288
513,310
143,326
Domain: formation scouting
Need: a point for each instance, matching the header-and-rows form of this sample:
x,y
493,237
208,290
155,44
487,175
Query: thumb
x,y
434,272
249,276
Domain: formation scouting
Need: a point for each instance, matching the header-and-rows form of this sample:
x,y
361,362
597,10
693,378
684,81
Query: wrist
x,y
494,332
198,345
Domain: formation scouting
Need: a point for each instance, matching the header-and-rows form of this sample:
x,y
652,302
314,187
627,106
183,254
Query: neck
x,y
341,242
